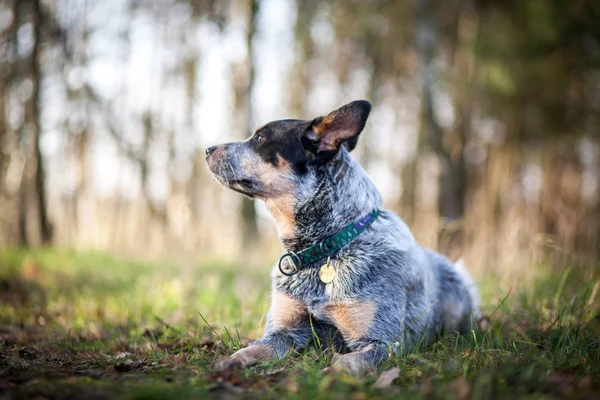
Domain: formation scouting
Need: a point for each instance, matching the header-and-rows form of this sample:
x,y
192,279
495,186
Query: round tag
x,y
326,273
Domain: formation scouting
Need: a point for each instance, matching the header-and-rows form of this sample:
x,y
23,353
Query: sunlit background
x,y
484,134
126,270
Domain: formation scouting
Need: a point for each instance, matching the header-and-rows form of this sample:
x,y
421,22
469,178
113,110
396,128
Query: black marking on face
x,y
282,140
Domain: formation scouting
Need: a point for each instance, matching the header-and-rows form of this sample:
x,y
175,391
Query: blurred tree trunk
x,y
144,163
33,185
243,85
76,125
82,138
4,155
18,73
40,173
454,186
9,37
24,187
193,185
408,198
596,222
451,196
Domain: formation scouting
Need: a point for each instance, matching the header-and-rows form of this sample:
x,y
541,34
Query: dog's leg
x,y
288,327
356,320
246,356
360,362
275,344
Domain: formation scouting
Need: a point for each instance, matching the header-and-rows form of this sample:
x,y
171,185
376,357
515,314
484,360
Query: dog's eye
x,y
259,138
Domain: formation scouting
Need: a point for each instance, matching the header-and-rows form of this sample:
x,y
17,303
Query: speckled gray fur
x,y
417,292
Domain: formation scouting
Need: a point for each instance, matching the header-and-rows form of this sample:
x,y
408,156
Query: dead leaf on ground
x,y
387,378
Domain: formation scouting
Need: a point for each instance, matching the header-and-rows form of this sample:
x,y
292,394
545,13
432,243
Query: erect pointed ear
x,y
341,125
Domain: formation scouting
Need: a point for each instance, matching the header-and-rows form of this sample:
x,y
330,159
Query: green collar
x,y
327,247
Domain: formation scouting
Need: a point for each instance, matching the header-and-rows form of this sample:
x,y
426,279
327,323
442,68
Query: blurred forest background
x,y
484,134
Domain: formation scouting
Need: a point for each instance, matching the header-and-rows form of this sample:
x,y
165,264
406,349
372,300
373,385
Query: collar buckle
x,y
296,262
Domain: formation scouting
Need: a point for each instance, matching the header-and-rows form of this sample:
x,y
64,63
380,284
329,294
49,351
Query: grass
x,y
89,325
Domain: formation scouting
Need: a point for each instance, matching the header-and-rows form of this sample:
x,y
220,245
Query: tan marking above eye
x,y
353,319
286,312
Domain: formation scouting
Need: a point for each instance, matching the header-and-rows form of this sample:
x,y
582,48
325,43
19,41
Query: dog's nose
x,y
210,150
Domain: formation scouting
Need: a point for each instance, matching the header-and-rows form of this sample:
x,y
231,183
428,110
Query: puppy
x,y
351,272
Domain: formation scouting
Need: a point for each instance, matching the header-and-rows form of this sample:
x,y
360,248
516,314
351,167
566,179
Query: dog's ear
x,y
340,126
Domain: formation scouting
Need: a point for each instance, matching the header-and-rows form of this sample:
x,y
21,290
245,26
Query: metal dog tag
x,y
326,273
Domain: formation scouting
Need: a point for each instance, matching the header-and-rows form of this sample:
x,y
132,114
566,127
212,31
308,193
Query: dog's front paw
x,y
246,356
228,364
353,364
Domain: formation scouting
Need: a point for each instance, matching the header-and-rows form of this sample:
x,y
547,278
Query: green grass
x,y
89,324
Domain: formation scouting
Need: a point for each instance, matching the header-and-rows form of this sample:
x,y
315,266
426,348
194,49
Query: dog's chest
x,y
353,318
332,303
322,301
306,288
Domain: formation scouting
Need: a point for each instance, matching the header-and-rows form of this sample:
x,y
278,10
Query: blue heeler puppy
x,y
352,271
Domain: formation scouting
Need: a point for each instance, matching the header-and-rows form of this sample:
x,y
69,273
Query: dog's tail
x,y
468,280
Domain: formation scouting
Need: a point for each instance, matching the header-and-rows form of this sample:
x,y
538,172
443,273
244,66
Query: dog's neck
x,y
340,194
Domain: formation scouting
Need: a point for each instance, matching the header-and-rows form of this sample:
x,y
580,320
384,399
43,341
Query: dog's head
x,y
274,161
